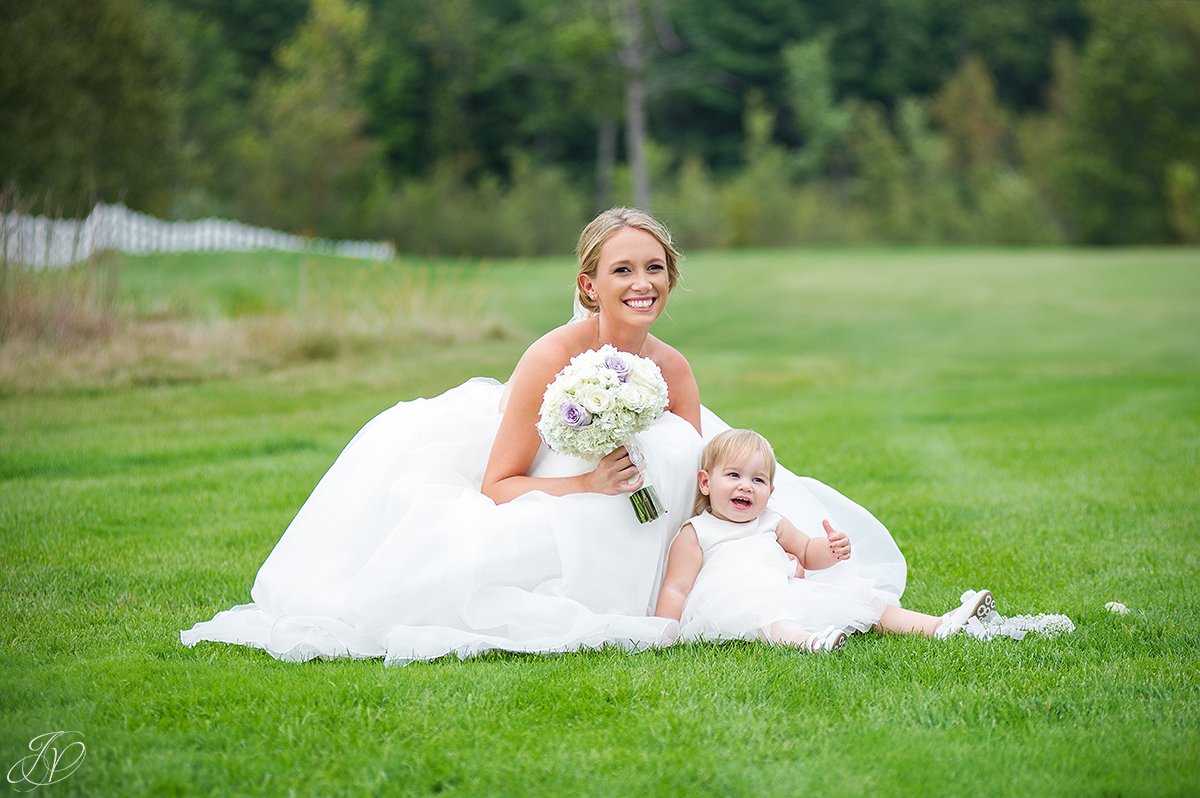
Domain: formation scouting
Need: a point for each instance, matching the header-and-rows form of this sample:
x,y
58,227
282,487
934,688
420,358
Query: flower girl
x,y
732,569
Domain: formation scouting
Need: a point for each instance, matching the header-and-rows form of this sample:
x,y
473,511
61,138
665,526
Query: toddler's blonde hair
x,y
729,446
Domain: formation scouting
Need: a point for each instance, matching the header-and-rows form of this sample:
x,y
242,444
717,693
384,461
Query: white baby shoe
x,y
832,639
974,604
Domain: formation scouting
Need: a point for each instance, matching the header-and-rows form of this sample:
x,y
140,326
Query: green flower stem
x,y
646,504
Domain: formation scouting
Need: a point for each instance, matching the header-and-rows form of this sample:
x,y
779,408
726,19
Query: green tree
x,y
250,30
937,203
1133,117
1183,194
212,118
757,200
967,111
1016,41
566,55
605,54
1041,135
729,50
904,177
884,50
441,94
89,102
820,119
583,47
881,185
396,91
877,51
307,163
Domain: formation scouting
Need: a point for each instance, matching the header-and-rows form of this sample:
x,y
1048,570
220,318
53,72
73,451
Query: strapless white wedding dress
x,y
397,553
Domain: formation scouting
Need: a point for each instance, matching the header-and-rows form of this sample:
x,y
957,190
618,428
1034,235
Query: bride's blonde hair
x,y
602,228
733,445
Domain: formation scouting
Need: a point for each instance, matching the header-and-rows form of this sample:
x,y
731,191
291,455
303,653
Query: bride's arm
x,y
507,474
681,385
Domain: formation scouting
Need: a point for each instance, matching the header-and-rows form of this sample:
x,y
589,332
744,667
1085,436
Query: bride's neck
x,y
632,340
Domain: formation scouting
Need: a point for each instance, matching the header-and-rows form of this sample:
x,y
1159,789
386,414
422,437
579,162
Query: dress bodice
x,y
712,531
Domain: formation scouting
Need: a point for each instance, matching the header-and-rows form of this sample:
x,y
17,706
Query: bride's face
x,y
631,281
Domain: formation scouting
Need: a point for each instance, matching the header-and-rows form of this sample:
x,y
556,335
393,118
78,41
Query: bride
x,y
447,526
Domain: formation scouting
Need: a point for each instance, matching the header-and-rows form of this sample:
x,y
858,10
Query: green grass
x,y
1027,421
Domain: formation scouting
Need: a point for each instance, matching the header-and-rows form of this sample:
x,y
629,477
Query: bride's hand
x,y
615,473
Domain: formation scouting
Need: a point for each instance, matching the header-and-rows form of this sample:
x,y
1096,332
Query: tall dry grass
x,y
60,306
73,327
67,307
66,343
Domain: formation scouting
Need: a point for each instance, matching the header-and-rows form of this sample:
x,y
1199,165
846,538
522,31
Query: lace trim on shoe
x,y
1018,626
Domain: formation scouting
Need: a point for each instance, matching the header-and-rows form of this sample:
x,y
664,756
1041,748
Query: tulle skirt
x,y
748,585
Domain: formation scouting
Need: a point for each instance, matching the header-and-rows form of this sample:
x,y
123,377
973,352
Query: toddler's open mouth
x,y
741,503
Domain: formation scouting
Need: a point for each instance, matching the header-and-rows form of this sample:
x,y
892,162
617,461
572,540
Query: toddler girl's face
x,y
738,491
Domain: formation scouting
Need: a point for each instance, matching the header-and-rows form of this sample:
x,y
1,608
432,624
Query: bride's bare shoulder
x,y
548,354
558,345
681,382
669,359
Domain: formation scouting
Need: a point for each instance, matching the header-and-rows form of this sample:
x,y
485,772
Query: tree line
x,y
498,126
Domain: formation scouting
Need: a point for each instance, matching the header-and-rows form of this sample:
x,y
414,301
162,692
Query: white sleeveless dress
x,y
747,583
397,553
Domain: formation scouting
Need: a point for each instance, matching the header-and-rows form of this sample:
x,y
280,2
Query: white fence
x,y
51,243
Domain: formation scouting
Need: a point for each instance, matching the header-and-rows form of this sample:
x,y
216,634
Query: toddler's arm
x,y
813,553
683,564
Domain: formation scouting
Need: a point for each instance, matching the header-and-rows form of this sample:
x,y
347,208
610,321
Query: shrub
x,y
537,212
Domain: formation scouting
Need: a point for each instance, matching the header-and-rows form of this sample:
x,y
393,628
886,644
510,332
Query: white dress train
x,y
397,553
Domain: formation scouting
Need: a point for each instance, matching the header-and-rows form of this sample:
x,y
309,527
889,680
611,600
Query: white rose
x,y
552,398
634,396
594,399
588,360
645,372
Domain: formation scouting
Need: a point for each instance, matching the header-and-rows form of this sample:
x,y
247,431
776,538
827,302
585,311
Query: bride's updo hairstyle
x,y
602,228
730,446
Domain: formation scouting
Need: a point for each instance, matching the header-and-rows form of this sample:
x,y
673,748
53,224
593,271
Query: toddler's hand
x,y
798,571
839,544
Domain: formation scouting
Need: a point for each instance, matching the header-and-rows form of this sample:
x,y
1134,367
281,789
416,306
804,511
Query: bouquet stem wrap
x,y
647,504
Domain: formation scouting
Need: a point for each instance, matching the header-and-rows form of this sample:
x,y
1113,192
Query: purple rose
x,y
574,416
618,366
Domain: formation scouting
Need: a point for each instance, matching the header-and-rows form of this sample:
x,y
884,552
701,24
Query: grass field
x,y
1023,420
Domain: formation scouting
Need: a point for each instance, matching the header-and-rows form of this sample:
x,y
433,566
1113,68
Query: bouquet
x,y
599,401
